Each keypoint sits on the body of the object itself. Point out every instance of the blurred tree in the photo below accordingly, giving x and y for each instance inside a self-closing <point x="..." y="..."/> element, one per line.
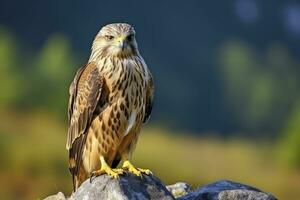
<point x="289" y="141"/>
<point x="9" y="78"/>
<point x="52" y="74"/>
<point x="258" y="89"/>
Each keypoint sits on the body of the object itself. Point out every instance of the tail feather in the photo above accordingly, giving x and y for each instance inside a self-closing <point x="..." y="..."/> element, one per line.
<point x="78" y="178"/>
<point x="75" y="162"/>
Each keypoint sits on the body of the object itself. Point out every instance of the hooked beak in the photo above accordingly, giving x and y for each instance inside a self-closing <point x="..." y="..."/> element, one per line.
<point x="122" y="42"/>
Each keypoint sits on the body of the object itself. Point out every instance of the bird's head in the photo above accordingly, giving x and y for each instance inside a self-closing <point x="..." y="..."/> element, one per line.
<point x="115" y="40"/>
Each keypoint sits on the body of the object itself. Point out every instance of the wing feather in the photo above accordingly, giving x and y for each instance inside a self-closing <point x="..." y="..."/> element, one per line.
<point x="149" y="98"/>
<point x="86" y="91"/>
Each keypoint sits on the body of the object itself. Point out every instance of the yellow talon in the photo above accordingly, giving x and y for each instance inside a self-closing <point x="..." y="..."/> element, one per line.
<point x="127" y="165"/>
<point x="145" y="171"/>
<point x="105" y="169"/>
<point x="137" y="171"/>
<point x="118" y="171"/>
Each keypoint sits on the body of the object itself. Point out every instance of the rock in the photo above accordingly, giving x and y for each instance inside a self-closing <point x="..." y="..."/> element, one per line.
<point x="131" y="187"/>
<point x="127" y="187"/>
<point x="227" y="190"/>
<point x="179" y="189"/>
<point x="58" y="196"/>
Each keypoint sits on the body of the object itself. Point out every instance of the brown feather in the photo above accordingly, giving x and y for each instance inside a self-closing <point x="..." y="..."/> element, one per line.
<point x="149" y="99"/>
<point x="85" y="93"/>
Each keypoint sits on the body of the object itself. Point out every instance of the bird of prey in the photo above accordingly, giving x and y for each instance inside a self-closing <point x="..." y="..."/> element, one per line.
<point x="110" y="98"/>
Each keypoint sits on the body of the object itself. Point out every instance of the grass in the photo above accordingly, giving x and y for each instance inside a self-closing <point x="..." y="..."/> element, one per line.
<point x="199" y="161"/>
<point x="34" y="160"/>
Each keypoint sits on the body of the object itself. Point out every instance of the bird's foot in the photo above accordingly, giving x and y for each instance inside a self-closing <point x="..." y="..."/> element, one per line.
<point x="145" y="171"/>
<point x="119" y="171"/>
<point x="105" y="169"/>
<point x="137" y="171"/>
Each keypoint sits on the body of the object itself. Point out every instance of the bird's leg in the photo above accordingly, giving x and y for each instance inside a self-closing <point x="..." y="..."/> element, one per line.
<point x="105" y="169"/>
<point x="137" y="171"/>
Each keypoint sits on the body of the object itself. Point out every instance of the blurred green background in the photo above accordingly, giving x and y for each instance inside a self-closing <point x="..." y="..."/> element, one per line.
<point x="227" y="101"/>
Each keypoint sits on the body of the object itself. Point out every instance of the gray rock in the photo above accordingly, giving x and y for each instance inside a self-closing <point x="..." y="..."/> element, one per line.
<point x="227" y="190"/>
<point x="58" y="196"/>
<point x="179" y="189"/>
<point x="131" y="187"/>
<point x="127" y="187"/>
<point x="243" y="194"/>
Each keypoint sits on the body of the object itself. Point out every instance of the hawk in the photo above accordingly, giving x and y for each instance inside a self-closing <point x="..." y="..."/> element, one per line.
<point x="110" y="98"/>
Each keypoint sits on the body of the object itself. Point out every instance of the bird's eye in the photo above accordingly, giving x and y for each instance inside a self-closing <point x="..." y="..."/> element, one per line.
<point x="130" y="38"/>
<point x="109" y="37"/>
